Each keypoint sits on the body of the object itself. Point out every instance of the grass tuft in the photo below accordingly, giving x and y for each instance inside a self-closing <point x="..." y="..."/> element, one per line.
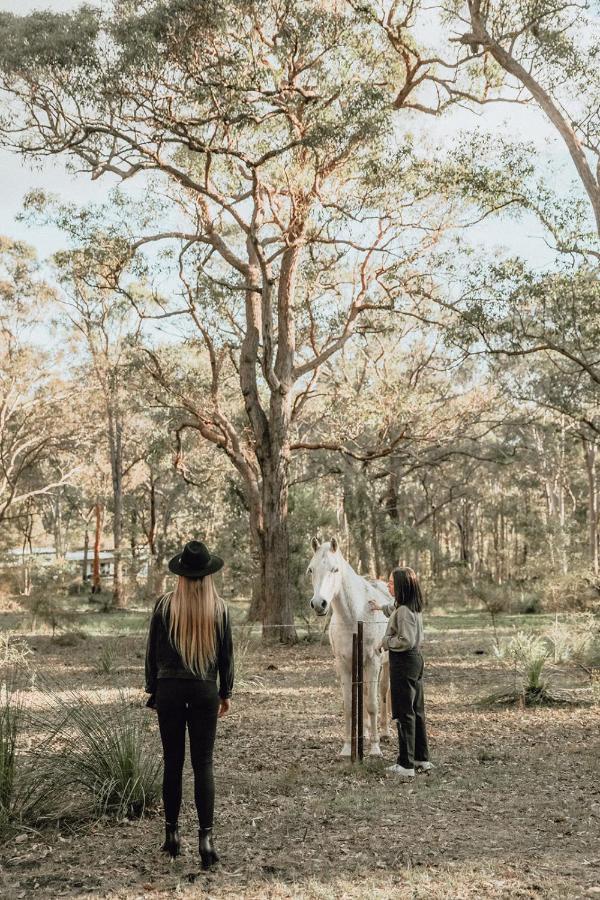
<point x="101" y="754"/>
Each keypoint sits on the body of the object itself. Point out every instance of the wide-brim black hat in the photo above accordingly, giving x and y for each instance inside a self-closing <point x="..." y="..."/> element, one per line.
<point x="195" y="561"/>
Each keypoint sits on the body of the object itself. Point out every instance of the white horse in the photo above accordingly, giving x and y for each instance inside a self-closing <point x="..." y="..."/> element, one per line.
<point x="337" y="585"/>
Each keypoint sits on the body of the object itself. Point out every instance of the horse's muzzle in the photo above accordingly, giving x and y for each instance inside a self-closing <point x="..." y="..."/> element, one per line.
<point x="319" y="606"/>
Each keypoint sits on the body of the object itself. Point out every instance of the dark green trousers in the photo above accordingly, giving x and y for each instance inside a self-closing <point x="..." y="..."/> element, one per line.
<point x="408" y="706"/>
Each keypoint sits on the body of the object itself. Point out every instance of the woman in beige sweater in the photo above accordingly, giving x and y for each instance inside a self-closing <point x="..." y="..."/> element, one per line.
<point x="403" y="639"/>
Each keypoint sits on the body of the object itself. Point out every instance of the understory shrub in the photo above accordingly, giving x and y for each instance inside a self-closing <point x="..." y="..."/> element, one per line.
<point x="575" y="640"/>
<point x="575" y="592"/>
<point x="24" y="792"/>
<point x="70" y="638"/>
<point x="527" y="655"/>
<point x="496" y="600"/>
<point x="571" y="640"/>
<point x="108" y="660"/>
<point x="243" y="650"/>
<point x="14" y="653"/>
<point x="102" y="756"/>
<point x="11" y="716"/>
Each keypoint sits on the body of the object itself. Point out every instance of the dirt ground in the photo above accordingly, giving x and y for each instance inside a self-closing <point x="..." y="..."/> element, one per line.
<point x="512" y="809"/>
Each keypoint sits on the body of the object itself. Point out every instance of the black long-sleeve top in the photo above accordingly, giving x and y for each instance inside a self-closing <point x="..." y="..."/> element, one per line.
<point x="163" y="660"/>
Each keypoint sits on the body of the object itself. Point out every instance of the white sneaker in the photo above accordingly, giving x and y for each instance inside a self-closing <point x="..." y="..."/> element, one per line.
<point x="401" y="771"/>
<point x="424" y="766"/>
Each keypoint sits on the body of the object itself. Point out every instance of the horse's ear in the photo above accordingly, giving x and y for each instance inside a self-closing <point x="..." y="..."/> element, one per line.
<point x="333" y="544"/>
<point x="314" y="544"/>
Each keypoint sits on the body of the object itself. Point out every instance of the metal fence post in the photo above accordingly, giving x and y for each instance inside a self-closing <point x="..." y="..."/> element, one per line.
<point x="354" y="735"/>
<point x="360" y="739"/>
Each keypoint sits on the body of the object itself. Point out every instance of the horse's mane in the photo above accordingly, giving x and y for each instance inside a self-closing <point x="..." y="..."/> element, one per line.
<point x="377" y="583"/>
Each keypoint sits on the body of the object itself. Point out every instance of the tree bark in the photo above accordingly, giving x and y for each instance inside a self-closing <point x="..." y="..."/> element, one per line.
<point x="86" y="548"/>
<point x="544" y="100"/>
<point x="96" y="580"/>
<point x="115" y="432"/>
<point x="589" y="451"/>
<point x="59" y="544"/>
<point x="356" y="509"/>
<point x="278" y="615"/>
<point x="390" y="503"/>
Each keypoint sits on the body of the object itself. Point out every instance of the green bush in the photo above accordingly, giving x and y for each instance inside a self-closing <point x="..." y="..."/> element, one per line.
<point x="575" y="639"/>
<point x="527" y="655"/>
<point x="108" y="660"/>
<point x="24" y="791"/>
<point x="575" y="592"/>
<point x="11" y="717"/>
<point x="103" y="756"/>
<point x="71" y="638"/>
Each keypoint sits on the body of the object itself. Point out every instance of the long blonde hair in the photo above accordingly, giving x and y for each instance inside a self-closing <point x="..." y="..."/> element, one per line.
<point x="194" y="611"/>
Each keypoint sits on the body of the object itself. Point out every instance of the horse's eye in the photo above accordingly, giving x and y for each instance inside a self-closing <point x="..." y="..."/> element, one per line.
<point x="309" y="571"/>
<point x="335" y="570"/>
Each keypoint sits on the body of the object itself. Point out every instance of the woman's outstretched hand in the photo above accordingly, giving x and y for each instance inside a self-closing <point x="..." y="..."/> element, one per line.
<point x="375" y="607"/>
<point x="224" y="707"/>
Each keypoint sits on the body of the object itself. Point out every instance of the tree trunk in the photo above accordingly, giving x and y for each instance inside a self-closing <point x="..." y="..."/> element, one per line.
<point x="379" y="567"/>
<point x="278" y="615"/>
<point x="355" y="503"/>
<point x="86" y="548"/>
<point x="389" y="538"/>
<point x="26" y="553"/>
<point x="589" y="450"/>
<point x="96" y="580"/>
<point x="59" y="544"/>
<point x="435" y="544"/>
<point x="257" y="596"/>
<point x="115" y="430"/>
<point x="156" y="581"/>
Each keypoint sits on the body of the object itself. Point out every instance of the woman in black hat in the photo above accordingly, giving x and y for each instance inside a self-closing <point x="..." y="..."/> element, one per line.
<point x="189" y="646"/>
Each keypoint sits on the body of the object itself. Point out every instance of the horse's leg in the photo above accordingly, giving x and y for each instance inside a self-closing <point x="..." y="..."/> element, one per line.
<point x="372" y="677"/>
<point x="384" y="698"/>
<point x="344" y="672"/>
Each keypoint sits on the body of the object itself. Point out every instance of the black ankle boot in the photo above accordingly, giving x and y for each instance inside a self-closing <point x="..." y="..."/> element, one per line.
<point x="172" y="844"/>
<point x="208" y="854"/>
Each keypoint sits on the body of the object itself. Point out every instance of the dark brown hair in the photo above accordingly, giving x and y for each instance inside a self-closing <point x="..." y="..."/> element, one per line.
<point x="407" y="590"/>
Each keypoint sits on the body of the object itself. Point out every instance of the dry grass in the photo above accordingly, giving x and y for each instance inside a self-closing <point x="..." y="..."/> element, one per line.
<point x="512" y="810"/>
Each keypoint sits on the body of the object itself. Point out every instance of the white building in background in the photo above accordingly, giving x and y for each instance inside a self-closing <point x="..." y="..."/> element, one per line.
<point x="75" y="559"/>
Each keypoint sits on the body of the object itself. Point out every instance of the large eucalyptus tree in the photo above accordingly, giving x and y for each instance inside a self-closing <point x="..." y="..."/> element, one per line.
<point x="287" y="191"/>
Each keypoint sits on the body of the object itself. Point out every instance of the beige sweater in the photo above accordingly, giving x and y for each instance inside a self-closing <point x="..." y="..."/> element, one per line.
<point x="404" y="630"/>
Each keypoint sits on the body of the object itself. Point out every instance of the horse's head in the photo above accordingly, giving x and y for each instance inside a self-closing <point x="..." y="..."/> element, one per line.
<point x="325" y="570"/>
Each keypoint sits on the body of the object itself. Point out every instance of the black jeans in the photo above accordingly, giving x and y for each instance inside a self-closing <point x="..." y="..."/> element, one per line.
<point x="408" y="706"/>
<point x="195" y="703"/>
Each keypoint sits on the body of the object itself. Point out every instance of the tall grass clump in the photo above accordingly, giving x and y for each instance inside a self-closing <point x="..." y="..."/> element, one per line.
<point x="24" y="792"/>
<point x="107" y="661"/>
<point x="14" y="654"/>
<point x="526" y="655"/>
<point x="11" y="722"/>
<point x="243" y="654"/>
<point x="529" y="654"/>
<point x="101" y="755"/>
<point x="576" y="640"/>
<point x="496" y="601"/>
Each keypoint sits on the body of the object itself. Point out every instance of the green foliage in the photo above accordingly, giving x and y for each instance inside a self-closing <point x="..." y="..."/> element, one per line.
<point x="11" y="720"/>
<point x="71" y="638"/>
<point x="244" y="640"/>
<point x="24" y="789"/>
<point x="100" y="755"/>
<point x="527" y="654"/>
<point x="48" y="40"/>
<point x="575" y="639"/>
<point x="108" y="659"/>
<point x="14" y="651"/>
